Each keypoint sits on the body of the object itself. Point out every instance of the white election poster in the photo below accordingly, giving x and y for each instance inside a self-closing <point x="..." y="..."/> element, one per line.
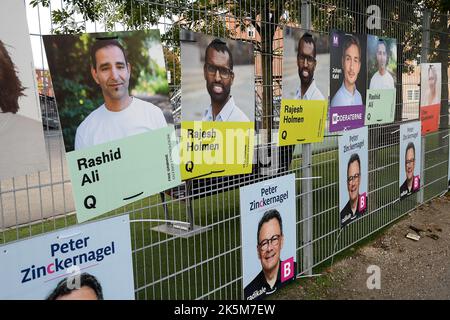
<point x="269" y="239"/>
<point x="90" y="261"/>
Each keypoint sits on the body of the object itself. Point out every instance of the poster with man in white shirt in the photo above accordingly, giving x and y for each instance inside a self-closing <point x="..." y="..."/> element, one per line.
<point x="381" y="73"/>
<point x="306" y="65"/>
<point x="112" y="92"/>
<point x="217" y="79"/>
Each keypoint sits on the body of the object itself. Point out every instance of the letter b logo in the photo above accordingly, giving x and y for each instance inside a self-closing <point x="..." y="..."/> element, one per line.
<point x="287" y="269"/>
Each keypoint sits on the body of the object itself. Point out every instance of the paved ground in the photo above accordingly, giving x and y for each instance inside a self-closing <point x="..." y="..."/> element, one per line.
<point x="409" y="269"/>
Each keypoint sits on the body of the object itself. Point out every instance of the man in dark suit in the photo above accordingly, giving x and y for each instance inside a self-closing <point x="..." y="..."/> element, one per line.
<point x="351" y="211"/>
<point x="270" y="242"/>
<point x="407" y="188"/>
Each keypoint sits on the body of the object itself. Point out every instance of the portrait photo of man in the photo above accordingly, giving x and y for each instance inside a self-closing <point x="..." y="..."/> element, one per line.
<point x="218" y="93"/>
<point x="351" y="63"/>
<point x="118" y="89"/>
<point x="89" y="289"/>
<point x="121" y="115"/>
<point x="410" y="158"/>
<point x="219" y="76"/>
<point x="351" y="210"/>
<point x="382" y="78"/>
<point x="306" y="64"/>
<point x="270" y="243"/>
<point x="310" y="53"/>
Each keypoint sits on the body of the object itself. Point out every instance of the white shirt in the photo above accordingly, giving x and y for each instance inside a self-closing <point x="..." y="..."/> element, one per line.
<point x="102" y="125"/>
<point x="379" y="81"/>
<point x="313" y="93"/>
<point x="230" y="112"/>
<point x="343" y="97"/>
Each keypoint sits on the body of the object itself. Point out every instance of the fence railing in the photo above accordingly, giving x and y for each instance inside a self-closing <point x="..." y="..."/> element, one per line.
<point x="207" y="265"/>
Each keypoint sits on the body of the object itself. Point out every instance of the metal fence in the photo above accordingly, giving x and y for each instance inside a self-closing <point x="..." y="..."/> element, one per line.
<point x="207" y="265"/>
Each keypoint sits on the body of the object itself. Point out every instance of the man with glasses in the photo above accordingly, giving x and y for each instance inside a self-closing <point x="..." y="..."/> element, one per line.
<point x="270" y="241"/>
<point x="306" y="63"/>
<point x="219" y="76"/>
<point x="351" y="210"/>
<point x="348" y="94"/>
<point x="407" y="187"/>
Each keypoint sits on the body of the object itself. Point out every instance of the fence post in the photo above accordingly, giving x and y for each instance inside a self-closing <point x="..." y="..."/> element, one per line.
<point x="424" y="59"/>
<point x="307" y="201"/>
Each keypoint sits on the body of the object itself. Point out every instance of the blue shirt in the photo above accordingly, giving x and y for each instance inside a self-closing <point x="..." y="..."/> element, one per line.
<point x="343" y="97"/>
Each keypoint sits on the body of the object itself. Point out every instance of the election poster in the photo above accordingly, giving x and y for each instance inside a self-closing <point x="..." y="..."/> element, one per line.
<point x="217" y="106"/>
<point x="304" y="101"/>
<point x="410" y="158"/>
<point x="268" y="236"/>
<point x="347" y="80"/>
<point x="214" y="149"/>
<point x="381" y="76"/>
<point x="85" y="262"/>
<point x="22" y="141"/>
<point x="113" y="174"/>
<point x="112" y="96"/>
<point x="430" y="96"/>
<point x="353" y="175"/>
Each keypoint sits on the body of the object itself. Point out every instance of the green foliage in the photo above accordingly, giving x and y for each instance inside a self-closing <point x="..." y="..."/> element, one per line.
<point x="153" y="82"/>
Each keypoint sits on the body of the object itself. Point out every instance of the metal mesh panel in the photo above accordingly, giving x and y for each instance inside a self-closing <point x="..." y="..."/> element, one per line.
<point x="208" y="265"/>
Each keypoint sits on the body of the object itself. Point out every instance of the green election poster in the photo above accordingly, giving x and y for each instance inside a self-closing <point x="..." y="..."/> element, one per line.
<point x="110" y="175"/>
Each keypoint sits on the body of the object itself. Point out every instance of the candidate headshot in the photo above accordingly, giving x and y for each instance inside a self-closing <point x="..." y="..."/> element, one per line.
<point x="306" y="64"/>
<point x="121" y="114"/>
<point x="11" y="87"/>
<point x="410" y="163"/>
<point x="219" y="77"/>
<point x="89" y="289"/>
<point x="382" y="79"/>
<point x="348" y="94"/>
<point x="350" y="211"/>
<point x="270" y="241"/>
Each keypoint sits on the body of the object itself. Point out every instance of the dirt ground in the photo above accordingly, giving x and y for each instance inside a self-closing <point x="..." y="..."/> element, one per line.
<point x="409" y="269"/>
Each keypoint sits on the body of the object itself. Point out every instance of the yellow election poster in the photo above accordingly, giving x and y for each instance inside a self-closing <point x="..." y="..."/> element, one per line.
<point x="215" y="149"/>
<point x="301" y="121"/>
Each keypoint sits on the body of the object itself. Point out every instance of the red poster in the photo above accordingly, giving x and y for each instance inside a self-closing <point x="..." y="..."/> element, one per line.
<point x="429" y="115"/>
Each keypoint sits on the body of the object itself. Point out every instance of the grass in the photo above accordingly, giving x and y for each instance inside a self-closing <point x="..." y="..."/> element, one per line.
<point x="208" y="265"/>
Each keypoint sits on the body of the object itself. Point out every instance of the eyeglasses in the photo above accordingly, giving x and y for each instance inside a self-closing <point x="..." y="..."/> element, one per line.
<point x="264" y="245"/>
<point x="301" y="58"/>
<point x="354" y="177"/>
<point x="411" y="161"/>
<point x="225" y="73"/>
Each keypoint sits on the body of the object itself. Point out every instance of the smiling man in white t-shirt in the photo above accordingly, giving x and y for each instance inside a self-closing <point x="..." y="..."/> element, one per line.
<point x="382" y="79"/>
<point x="121" y="115"/>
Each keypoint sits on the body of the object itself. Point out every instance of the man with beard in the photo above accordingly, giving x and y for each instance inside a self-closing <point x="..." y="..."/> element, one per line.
<point x="407" y="187"/>
<point x="121" y="115"/>
<point x="382" y="79"/>
<point x="351" y="210"/>
<point x="348" y="94"/>
<point x="219" y="76"/>
<point x="270" y="240"/>
<point x="306" y="63"/>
